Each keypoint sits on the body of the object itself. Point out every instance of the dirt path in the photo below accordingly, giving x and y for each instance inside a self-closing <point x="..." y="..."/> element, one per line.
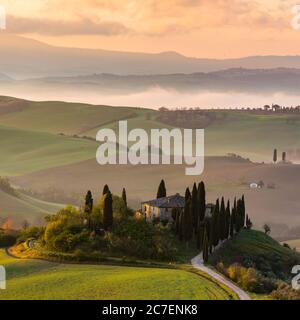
<point x="197" y="263"/>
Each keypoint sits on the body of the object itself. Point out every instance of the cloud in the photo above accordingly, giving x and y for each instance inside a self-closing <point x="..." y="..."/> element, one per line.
<point x="83" y="26"/>
<point x="150" y="17"/>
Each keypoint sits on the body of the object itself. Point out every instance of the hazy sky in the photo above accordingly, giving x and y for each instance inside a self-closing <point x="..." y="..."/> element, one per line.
<point x="202" y="28"/>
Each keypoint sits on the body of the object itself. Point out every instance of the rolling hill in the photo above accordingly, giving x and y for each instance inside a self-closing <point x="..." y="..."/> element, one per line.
<point x="32" y="151"/>
<point x="102" y="282"/>
<point x="22" y="57"/>
<point x="23" y="207"/>
<point x="237" y="80"/>
<point x="52" y="147"/>
<point x="256" y="249"/>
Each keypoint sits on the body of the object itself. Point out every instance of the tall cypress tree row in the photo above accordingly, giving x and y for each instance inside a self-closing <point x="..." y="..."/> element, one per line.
<point x="162" y="191"/>
<point x="107" y="211"/>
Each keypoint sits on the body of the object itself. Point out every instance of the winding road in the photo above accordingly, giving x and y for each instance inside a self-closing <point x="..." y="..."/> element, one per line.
<point x="198" y="263"/>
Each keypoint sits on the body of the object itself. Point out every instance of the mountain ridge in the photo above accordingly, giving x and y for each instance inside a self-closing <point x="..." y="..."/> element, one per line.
<point x="38" y="59"/>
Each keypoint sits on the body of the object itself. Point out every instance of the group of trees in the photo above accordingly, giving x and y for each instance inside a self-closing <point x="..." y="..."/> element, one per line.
<point x="275" y="156"/>
<point x="209" y="229"/>
<point x="107" y="208"/>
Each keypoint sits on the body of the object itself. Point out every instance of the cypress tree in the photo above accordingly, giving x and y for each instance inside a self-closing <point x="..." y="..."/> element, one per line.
<point x="205" y="247"/>
<point x="88" y="208"/>
<point x="215" y="229"/>
<point x="227" y="224"/>
<point x="124" y="196"/>
<point x="275" y="155"/>
<point x="105" y="190"/>
<point x="231" y="229"/>
<point x="243" y="212"/>
<point x="239" y="216"/>
<point x="248" y="223"/>
<point x="200" y="235"/>
<point x="222" y="220"/>
<point x="284" y="156"/>
<point x="195" y="209"/>
<point x="187" y="195"/>
<point x="187" y="219"/>
<point x="161" y="192"/>
<point x="201" y="200"/>
<point x="107" y="211"/>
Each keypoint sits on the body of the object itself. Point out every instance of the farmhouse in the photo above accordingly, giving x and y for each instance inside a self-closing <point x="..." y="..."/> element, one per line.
<point x="166" y="208"/>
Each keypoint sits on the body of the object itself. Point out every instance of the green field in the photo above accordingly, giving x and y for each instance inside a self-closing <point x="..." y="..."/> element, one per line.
<point x="33" y="279"/>
<point x="24" y="151"/>
<point x="252" y="136"/>
<point x="63" y="117"/>
<point x="30" y="136"/>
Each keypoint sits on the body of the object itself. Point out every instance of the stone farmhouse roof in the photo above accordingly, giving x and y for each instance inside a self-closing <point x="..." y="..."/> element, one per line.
<point x="174" y="201"/>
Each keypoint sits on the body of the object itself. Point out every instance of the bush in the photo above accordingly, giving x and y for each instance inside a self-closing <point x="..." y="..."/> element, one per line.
<point x="32" y="232"/>
<point x="7" y="240"/>
<point x="285" y="292"/>
<point x="247" y="278"/>
<point x="65" y="230"/>
<point x="137" y="238"/>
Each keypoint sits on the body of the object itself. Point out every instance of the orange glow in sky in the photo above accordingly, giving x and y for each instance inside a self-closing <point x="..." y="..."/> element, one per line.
<point x="198" y="28"/>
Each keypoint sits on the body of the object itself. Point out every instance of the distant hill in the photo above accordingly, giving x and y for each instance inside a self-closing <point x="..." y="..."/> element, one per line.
<point x="263" y="81"/>
<point x="21" y="207"/>
<point x="4" y="77"/>
<point x="24" y="58"/>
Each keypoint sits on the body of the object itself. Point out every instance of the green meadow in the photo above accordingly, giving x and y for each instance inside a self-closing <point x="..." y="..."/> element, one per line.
<point x="31" y="141"/>
<point x="24" y="151"/>
<point x="35" y="279"/>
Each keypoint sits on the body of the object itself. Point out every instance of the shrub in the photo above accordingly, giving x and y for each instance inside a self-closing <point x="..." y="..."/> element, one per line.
<point x="285" y="292"/>
<point x="7" y="240"/>
<point x="247" y="278"/>
<point x="32" y="232"/>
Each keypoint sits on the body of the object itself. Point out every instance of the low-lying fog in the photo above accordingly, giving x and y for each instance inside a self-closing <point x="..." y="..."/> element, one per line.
<point x="157" y="97"/>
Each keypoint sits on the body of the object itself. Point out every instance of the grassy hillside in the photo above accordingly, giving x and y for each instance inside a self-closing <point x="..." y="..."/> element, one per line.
<point x="102" y="282"/>
<point x="63" y="117"/>
<point x="24" y="151"/>
<point x="24" y="207"/>
<point x="30" y="133"/>
<point x="253" y="248"/>
<point x="251" y="135"/>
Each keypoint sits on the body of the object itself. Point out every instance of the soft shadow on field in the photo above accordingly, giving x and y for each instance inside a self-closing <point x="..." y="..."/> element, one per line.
<point x="223" y="176"/>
